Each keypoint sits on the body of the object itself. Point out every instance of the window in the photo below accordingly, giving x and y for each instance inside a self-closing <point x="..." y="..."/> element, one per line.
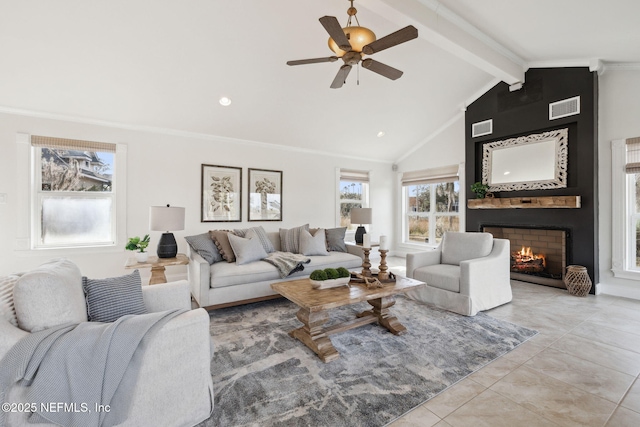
<point x="625" y="198"/>
<point x="431" y="204"/>
<point x="353" y="193"/>
<point x="74" y="197"/>
<point x="633" y="213"/>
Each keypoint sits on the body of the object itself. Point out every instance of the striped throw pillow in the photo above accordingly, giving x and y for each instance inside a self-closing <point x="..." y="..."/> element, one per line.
<point x="204" y="246"/>
<point x="290" y="239"/>
<point x="260" y="233"/>
<point x="109" y="299"/>
<point x="7" y="309"/>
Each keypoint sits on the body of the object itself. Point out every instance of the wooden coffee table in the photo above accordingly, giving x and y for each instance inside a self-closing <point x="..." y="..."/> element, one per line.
<point x="315" y="305"/>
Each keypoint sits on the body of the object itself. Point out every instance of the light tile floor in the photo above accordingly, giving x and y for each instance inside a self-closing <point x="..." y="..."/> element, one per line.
<point x="580" y="370"/>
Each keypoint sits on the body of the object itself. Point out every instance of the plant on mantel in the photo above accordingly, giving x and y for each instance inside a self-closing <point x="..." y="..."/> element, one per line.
<point x="479" y="189"/>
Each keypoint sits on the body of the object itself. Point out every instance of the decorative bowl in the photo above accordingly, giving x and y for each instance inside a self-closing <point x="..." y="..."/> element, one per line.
<point x="329" y="283"/>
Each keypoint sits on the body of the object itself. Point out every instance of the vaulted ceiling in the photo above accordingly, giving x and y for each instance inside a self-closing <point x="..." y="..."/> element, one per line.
<point x="163" y="65"/>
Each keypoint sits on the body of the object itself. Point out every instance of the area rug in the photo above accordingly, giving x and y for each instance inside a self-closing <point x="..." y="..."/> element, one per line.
<point x="263" y="377"/>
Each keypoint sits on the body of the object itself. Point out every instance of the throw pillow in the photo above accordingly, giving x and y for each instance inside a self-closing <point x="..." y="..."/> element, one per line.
<point x="114" y="297"/>
<point x="203" y="245"/>
<point x="313" y="245"/>
<point x="335" y="239"/>
<point x="247" y="249"/>
<point x="221" y="240"/>
<point x="50" y="295"/>
<point x="7" y="308"/>
<point x="290" y="239"/>
<point x="260" y="233"/>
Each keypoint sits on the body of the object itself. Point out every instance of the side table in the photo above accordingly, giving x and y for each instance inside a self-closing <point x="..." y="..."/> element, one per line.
<point x="157" y="266"/>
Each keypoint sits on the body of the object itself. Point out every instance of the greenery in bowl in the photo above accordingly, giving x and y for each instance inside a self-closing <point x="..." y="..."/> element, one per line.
<point x="329" y="273"/>
<point x="343" y="272"/>
<point x="479" y="189"/>
<point x="138" y="244"/>
<point x="318" y="275"/>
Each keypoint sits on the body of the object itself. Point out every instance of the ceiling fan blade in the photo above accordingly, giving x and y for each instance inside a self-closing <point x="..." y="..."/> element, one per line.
<point x="404" y="35"/>
<point x="341" y="77"/>
<point x="331" y="24"/>
<point x="382" y="69"/>
<point x="313" y="60"/>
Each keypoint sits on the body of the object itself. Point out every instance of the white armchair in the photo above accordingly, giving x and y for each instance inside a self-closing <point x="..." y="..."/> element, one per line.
<point x="466" y="273"/>
<point x="174" y="386"/>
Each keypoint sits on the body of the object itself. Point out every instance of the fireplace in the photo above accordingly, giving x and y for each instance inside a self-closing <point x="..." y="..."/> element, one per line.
<point x="537" y="255"/>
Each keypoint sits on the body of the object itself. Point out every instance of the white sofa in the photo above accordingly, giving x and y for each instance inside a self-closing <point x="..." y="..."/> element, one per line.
<point x="224" y="284"/>
<point x="466" y="273"/>
<point x="174" y="386"/>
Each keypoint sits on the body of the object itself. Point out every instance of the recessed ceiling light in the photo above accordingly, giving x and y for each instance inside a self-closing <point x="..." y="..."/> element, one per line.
<point x="225" y="101"/>
<point x="381" y="134"/>
<point x="506" y="173"/>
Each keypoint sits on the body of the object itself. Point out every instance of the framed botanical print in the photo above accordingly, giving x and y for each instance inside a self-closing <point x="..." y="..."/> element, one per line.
<point x="265" y="195"/>
<point x="221" y="194"/>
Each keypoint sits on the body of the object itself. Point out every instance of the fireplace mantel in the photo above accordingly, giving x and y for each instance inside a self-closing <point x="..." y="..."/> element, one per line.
<point x="549" y="202"/>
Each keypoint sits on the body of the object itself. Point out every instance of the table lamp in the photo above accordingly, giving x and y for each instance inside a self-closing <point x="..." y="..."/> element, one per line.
<point x="360" y="216"/>
<point x="166" y="218"/>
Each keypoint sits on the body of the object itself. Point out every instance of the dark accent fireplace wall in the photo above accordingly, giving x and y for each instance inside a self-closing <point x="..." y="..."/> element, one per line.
<point x="525" y="112"/>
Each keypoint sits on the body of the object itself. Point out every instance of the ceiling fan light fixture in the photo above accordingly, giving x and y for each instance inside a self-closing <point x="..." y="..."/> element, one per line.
<point x="358" y="37"/>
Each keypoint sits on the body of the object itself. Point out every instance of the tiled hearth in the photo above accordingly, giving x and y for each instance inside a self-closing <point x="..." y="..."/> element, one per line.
<point x="537" y="255"/>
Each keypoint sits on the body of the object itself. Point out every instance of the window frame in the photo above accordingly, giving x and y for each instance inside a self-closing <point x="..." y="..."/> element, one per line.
<point x="402" y="229"/>
<point x="622" y="214"/>
<point x="364" y="201"/>
<point x="26" y="237"/>
<point x="432" y="214"/>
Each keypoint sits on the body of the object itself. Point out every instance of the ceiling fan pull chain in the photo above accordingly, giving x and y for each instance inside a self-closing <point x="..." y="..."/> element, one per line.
<point x="358" y="75"/>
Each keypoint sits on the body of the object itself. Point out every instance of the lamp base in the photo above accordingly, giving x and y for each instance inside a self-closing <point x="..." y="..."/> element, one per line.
<point x="167" y="246"/>
<point x="360" y="232"/>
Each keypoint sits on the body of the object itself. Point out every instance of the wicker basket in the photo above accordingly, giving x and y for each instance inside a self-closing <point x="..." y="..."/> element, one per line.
<point x="577" y="280"/>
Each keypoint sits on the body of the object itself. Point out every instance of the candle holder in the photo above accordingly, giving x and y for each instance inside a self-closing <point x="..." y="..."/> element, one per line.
<point x="383" y="274"/>
<point x="366" y="264"/>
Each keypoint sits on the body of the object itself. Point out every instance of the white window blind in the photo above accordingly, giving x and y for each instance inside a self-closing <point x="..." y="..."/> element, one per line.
<point x="633" y="155"/>
<point x="71" y="144"/>
<point x="431" y="176"/>
<point x="353" y="175"/>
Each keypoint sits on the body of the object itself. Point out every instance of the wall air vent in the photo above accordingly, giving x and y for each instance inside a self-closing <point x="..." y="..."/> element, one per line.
<point x="564" y="108"/>
<point x="482" y="128"/>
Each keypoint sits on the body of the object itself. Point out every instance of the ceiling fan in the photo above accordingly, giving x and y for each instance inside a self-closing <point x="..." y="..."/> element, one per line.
<point x="351" y="43"/>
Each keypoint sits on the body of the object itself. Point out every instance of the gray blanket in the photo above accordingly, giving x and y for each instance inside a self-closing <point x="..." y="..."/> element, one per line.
<point x="81" y="366"/>
<point x="286" y="262"/>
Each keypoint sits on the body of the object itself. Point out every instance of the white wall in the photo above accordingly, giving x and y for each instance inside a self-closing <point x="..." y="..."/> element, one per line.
<point x="445" y="148"/>
<point x="619" y="113"/>
<point x="163" y="169"/>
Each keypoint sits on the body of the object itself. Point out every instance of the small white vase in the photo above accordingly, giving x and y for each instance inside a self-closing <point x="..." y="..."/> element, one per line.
<point x="142" y="256"/>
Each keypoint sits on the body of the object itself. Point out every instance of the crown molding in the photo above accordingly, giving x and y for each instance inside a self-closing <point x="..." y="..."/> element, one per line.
<point x="179" y="133"/>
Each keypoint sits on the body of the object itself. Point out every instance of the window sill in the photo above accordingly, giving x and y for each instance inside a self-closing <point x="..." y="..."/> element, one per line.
<point x="626" y="274"/>
<point x="69" y="251"/>
<point x="417" y="246"/>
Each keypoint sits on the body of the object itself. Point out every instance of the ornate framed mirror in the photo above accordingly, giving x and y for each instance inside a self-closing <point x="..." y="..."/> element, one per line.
<point x="532" y="162"/>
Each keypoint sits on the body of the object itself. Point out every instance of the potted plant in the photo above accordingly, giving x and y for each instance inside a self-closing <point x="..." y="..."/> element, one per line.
<point x="329" y="278"/>
<point x="479" y="189"/>
<point x="139" y="245"/>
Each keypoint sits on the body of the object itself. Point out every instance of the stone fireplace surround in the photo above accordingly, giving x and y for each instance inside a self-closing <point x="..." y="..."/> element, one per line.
<point x="549" y="242"/>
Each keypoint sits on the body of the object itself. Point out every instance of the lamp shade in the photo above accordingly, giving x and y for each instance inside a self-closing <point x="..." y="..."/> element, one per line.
<point x="361" y="216"/>
<point x="166" y="218"/>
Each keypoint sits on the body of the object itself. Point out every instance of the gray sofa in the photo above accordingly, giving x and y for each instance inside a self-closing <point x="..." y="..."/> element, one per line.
<point x="174" y="385"/>
<point x="224" y="284"/>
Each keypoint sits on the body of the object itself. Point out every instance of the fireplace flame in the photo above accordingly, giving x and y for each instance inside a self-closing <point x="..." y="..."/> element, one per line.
<point x="526" y="260"/>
